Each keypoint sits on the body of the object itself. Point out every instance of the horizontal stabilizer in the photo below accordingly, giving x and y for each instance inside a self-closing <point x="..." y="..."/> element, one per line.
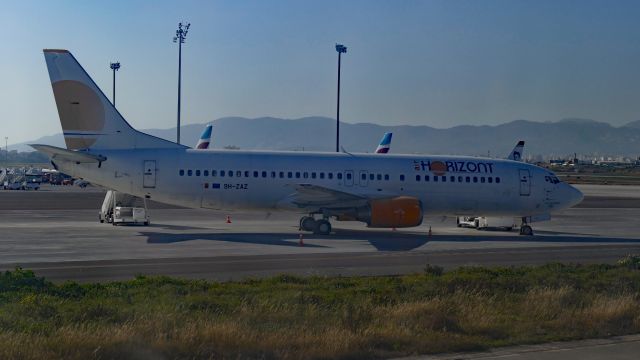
<point x="68" y="155"/>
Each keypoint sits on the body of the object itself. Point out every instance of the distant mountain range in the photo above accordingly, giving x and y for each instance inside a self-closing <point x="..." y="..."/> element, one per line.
<point x="318" y="133"/>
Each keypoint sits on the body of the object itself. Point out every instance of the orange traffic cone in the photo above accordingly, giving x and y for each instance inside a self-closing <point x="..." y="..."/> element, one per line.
<point x="429" y="231"/>
<point x="228" y="219"/>
<point x="301" y="241"/>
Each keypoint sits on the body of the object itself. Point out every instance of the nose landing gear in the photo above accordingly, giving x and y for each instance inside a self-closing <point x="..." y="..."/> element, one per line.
<point x="525" y="229"/>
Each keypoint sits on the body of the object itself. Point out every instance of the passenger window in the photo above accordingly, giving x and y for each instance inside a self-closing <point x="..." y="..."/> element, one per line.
<point x="321" y="175"/>
<point x="348" y="176"/>
<point x="281" y="174"/>
<point x="221" y="173"/>
<point x="305" y="175"/>
<point x="497" y="180"/>
<point x="452" y="179"/>
<point x="417" y="177"/>
<point x="230" y="173"/>
<point x="482" y="179"/>
<point x="238" y="173"/>
<point x="459" y="178"/>
<point x="273" y="174"/>
<point x="379" y="177"/>
<point x="339" y="176"/>
<point x="467" y="179"/>
<point x="246" y="173"/>
<point x="297" y="175"/>
<point x="330" y="176"/>
<point x="264" y="174"/>
<point x="189" y="172"/>
<point x="402" y="177"/>
<point x="181" y="172"/>
<point x="363" y="176"/>
<point x="289" y="174"/>
<point x="372" y="177"/>
<point x="313" y="175"/>
<point x="197" y="172"/>
<point x="214" y="173"/>
<point x="444" y="179"/>
<point x="435" y="178"/>
<point x="206" y="173"/>
<point x="386" y="177"/>
<point x="426" y="178"/>
<point x="490" y="179"/>
<point x="255" y="174"/>
<point x="475" y="179"/>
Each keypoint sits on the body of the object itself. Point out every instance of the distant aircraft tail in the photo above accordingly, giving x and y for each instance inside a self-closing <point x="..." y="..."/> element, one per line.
<point x="516" y="153"/>
<point x="89" y="120"/>
<point x="205" y="138"/>
<point x="385" y="144"/>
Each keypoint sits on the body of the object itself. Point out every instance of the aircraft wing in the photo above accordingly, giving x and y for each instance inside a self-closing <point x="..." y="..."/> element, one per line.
<point x="307" y="195"/>
<point x="68" y="155"/>
<point x="316" y="197"/>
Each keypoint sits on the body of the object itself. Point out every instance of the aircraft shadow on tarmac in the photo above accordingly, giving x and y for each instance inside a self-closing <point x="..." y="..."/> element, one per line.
<point x="382" y="241"/>
<point x="244" y="238"/>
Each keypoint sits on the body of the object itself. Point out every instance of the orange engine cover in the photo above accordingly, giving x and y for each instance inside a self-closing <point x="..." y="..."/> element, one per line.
<point x="402" y="211"/>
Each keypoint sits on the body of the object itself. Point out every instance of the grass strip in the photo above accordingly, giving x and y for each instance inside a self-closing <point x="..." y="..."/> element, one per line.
<point x="290" y="317"/>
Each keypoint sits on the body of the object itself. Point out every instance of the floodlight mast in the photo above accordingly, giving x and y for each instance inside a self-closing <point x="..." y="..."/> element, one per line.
<point x="181" y="35"/>
<point x="340" y="49"/>
<point x="115" y="67"/>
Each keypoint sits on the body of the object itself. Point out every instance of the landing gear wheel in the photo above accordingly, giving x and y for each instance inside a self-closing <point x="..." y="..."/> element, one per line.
<point x="526" y="230"/>
<point x="323" y="227"/>
<point x="308" y="223"/>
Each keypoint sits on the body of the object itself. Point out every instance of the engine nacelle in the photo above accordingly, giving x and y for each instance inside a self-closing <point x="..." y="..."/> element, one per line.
<point x="399" y="212"/>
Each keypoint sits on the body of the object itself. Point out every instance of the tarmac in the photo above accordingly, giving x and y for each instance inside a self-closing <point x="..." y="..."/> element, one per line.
<point x="55" y="231"/>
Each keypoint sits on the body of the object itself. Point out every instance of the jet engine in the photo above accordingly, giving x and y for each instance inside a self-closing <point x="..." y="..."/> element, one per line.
<point x="398" y="212"/>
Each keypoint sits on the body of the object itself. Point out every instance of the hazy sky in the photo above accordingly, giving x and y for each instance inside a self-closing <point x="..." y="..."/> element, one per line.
<point x="437" y="63"/>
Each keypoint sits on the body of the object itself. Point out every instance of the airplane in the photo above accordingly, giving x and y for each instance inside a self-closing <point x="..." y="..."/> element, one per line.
<point x="205" y="138"/>
<point x="391" y="191"/>
<point x="516" y="153"/>
<point x="385" y="144"/>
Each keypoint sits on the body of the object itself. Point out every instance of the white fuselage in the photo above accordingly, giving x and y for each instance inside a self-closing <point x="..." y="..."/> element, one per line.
<point x="186" y="177"/>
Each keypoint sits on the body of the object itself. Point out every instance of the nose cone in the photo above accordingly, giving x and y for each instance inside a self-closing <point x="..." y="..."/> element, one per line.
<point x="572" y="196"/>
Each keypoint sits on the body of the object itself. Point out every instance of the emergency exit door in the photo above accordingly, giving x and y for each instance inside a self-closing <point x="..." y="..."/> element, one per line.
<point x="149" y="174"/>
<point x="525" y="182"/>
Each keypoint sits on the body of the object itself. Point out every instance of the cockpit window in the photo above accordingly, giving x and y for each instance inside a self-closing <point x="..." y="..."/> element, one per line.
<point x="552" y="179"/>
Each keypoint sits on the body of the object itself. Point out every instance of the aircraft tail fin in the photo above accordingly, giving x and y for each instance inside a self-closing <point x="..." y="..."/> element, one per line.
<point x="205" y="138"/>
<point x="516" y="153"/>
<point x="385" y="144"/>
<point x="88" y="119"/>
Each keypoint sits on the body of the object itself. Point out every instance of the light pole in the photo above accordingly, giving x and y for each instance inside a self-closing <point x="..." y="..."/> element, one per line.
<point x="6" y="149"/>
<point x="114" y="66"/>
<point x="340" y="49"/>
<point x="181" y="35"/>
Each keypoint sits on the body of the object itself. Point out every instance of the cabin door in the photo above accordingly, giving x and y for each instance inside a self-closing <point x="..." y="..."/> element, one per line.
<point x="149" y="174"/>
<point x="364" y="181"/>
<point x="348" y="178"/>
<point x="525" y="182"/>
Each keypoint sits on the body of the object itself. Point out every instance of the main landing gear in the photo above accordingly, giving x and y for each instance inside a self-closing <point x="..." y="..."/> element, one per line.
<point x="320" y="227"/>
<point x="525" y="229"/>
